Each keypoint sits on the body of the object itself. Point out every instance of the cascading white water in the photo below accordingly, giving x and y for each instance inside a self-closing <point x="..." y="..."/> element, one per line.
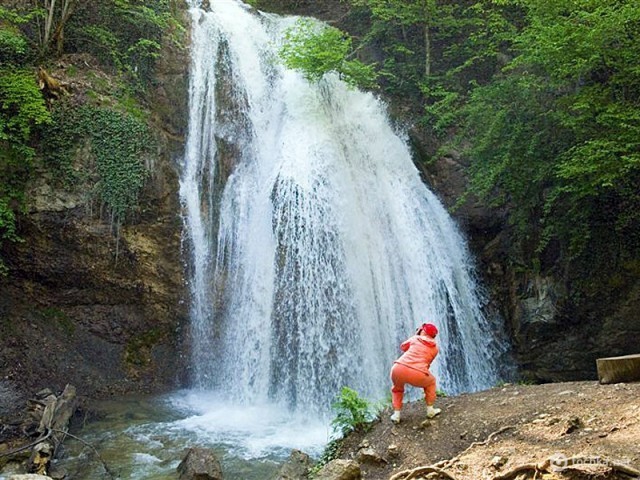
<point x="316" y="248"/>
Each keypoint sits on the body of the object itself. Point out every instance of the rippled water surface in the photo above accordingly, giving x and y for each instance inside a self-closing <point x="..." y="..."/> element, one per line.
<point x="145" y="438"/>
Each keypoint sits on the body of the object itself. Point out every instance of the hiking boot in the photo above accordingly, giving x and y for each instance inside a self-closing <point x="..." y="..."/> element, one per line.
<point x="432" y="412"/>
<point x="395" y="418"/>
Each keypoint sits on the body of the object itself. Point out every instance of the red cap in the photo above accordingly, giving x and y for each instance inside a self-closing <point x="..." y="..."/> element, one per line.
<point x="430" y="329"/>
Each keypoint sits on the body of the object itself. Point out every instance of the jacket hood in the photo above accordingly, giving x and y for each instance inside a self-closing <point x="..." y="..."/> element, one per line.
<point x="428" y="341"/>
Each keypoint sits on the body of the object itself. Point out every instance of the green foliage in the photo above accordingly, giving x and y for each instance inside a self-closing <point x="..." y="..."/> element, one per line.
<point x="138" y="349"/>
<point x="125" y="35"/>
<point x="58" y="317"/>
<point x="118" y="141"/>
<point x="542" y="98"/>
<point x="558" y="137"/>
<point x="315" y="49"/>
<point x="21" y="109"/>
<point x="352" y="411"/>
<point x="13" y="45"/>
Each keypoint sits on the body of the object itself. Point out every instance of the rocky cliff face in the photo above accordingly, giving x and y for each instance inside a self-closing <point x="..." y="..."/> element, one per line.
<point x="89" y="306"/>
<point x="558" y="327"/>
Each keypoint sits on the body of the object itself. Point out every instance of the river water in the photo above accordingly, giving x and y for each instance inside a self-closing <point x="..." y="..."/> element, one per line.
<point x="145" y="438"/>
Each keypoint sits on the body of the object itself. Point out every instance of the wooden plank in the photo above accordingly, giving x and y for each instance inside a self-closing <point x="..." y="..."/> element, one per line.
<point x="619" y="369"/>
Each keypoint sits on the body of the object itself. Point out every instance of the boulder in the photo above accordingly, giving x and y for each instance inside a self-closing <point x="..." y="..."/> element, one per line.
<point x="200" y="464"/>
<point x="296" y="467"/>
<point x="340" y="470"/>
<point x="370" y="456"/>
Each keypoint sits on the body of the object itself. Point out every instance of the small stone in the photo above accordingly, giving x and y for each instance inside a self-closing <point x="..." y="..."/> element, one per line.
<point x="426" y="423"/>
<point x="393" y="450"/>
<point x="339" y="469"/>
<point x="463" y="434"/>
<point x="572" y="424"/>
<point x="567" y="392"/>
<point x="499" y="461"/>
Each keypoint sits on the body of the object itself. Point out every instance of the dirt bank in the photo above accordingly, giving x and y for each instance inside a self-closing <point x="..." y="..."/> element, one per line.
<point x="531" y="423"/>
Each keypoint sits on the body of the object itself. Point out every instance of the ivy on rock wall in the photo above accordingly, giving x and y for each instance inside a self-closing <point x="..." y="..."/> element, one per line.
<point x="104" y="111"/>
<point x="118" y="142"/>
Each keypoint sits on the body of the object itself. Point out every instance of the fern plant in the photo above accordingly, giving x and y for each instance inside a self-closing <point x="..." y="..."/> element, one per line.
<point x="352" y="412"/>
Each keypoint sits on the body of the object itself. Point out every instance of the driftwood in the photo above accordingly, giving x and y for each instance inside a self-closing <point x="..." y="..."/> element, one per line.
<point x="619" y="369"/>
<point x="441" y="465"/>
<point x="46" y="416"/>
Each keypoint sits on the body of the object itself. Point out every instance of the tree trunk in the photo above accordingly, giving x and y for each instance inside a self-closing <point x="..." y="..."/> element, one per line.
<point x="50" y="7"/>
<point x="428" y="10"/>
<point x="427" y="52"/>
<point x="58" y="36"/>
<point x="619" y="369"/>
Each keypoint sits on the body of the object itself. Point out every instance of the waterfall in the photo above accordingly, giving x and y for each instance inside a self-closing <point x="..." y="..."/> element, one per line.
<point x="315" y="247"/>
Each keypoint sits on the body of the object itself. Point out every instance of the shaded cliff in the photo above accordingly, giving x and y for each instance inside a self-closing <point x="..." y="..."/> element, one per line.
<point x="86" y="302"/>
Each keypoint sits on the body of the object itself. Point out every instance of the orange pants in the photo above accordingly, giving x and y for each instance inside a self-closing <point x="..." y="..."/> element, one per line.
<point x="402" y="375"/>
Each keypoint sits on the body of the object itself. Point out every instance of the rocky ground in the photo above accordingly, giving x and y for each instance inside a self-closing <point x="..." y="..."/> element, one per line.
<point x="486" y="435"/>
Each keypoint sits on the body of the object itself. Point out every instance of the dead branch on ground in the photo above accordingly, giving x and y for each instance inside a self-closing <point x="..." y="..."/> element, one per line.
<point x="438" y="467"/>
<point x="551" y="462"/>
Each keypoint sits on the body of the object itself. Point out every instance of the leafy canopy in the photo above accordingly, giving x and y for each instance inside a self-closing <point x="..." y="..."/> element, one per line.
<point x="558" y="136"/>
<point x="315" y="49"/>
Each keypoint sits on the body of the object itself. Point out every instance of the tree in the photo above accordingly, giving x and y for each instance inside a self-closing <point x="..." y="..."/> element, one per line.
<point x="559" y="137"/>
<point x="406" y="14"/>
<point x="315" y="49"/>
<point x="57" y="14"/>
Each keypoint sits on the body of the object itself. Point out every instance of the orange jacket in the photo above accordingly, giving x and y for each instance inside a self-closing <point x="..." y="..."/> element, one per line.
<point x="419" y="352"/>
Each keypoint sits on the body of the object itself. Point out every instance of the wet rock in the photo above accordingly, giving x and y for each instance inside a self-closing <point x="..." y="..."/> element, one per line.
<point x="200" y="464"/>
<point x="296" y="467"/>
<point x="340" y="470"/>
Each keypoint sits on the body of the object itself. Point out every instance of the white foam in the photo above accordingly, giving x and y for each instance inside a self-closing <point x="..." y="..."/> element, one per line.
<point x="254" y="431"/>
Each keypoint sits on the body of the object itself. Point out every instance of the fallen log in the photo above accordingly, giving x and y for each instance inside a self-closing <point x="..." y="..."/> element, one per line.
<point x="619" y="369"/>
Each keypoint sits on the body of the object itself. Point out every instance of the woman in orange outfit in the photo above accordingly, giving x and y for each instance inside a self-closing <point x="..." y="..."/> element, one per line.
<point x="412" y="368"/>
